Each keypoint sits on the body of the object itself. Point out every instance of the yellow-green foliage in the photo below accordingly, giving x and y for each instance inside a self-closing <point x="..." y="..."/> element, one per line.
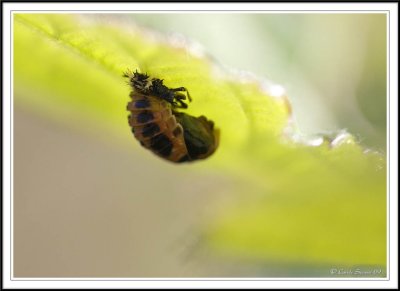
<point x="318" y="204"/>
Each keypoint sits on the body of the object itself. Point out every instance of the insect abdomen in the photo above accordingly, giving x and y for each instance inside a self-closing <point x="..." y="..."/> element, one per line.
<point x="154" y="125"/>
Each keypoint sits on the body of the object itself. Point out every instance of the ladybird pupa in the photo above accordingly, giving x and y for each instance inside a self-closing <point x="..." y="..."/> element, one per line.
<point x="158" y="125"/>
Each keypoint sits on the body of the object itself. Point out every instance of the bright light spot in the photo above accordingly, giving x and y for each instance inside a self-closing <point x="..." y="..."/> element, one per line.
<point x="315" y="142"/>
<point x="341" y="139"/>
<point x="276" y="90"/>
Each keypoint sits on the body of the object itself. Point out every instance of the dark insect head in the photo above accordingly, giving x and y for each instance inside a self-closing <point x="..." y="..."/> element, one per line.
<point x="141" y="82"/>
<point x="145" y="84"/>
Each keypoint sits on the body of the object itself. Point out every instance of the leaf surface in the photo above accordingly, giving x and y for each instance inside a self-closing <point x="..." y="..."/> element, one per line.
<point x="320" y="202"/>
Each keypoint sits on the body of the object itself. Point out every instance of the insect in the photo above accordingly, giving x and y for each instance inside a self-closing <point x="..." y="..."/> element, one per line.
<point x="158" y="125"/>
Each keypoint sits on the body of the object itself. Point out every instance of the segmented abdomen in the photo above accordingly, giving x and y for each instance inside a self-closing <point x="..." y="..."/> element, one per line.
<point x="154" y="125"/>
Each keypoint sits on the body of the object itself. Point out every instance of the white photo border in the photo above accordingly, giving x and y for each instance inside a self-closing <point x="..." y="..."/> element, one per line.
<point x="391" y="9"/>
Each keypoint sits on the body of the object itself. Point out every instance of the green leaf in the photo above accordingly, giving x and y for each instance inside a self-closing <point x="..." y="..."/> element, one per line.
<point x="296" y="200"/>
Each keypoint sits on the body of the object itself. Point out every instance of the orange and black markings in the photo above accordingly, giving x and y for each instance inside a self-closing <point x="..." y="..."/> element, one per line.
<point x="159" y="127"/>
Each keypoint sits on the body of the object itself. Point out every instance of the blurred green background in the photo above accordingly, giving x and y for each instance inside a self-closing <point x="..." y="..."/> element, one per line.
<point x="333" y="65"/>
<point x="89" y="204"/>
